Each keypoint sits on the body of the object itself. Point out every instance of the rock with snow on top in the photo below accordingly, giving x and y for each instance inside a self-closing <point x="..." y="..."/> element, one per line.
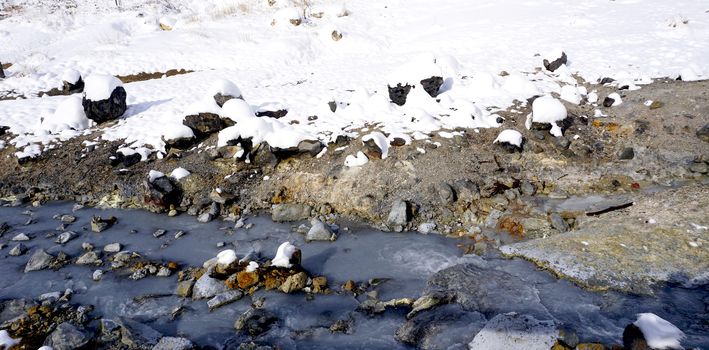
<point x="554" y="59"/>
<point x="104" y="98"/>
<point x="356" y="161"/>
<point x="287" y="255"/>
<point x="21" y="237"/>
<point x="612" y="100"/>
<point x="7" y="342"/>
<point x="510" y="139"/>
<point x="650" y="331"/>
<point x="72" y="82"/>
<point x="376" y="145"/>
<point x="161" y="191"/>
<point x="547" y="110"/>
<point x="224" y="90"/>
<point x="167" y="23"/>
<point x="320" y="231"/>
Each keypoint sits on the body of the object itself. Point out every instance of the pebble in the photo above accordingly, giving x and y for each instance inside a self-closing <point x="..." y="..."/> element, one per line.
<point x="220" y="244"/>
<point x="65" y="237"/>
<point x="67" y="219"/>
<point x="179" y="234"/>
<point x="626" y="153"/>
<point x="426" y="227"/>
<point x="158" y="233"/>
<point x="18" y="250"/>
<point x="558" y="222"/>
<point x="97" y="275"/>
<point x="239" y="224"/>
<point x="163" y="272"/>
<point x="88" y="258"/>
<point x="21" y="238"/>
<point x="112" y="248"/>
<point x="87" y="246"/>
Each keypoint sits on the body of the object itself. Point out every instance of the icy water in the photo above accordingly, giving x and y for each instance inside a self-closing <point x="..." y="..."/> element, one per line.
<point x="403" y="261"/>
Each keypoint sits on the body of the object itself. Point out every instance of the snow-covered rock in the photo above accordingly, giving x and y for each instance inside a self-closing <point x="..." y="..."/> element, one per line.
<point x="548" y="110"/>
<point x="179" y="173"/>
<point x="380" y="141"/>
<point x="251" y="267"/>
<point x="511" y="137"/>
<point x="154" y="174"/>
<point x="283" y="255"/>
<point x="237" y="110"/>
<point x="222" y="91"/>
<point x="571" y="94"/>
<point x="612" y="100"/>
<point x="100" y="86"/>
<point x="355" y="161"/>
<point x="104" y="98"/>
<point x="226" y="257"/>
<point x="659" y="333"/>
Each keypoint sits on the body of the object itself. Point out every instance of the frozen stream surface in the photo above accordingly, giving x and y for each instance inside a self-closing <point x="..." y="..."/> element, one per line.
<point x="404" y="261"/>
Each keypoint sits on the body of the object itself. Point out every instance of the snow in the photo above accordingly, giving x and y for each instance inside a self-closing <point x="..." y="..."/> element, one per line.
<point x="659" y="333"/>
<point x="252" y="266"/>
<point x="285" y="15"/>
<point x="571" y="94"/>
<point x="154" y="175"/>
<point x="71" y="76"/>
<point x="380" y="140"/>
<point x="237" y="110"/>
<point x="513" y="137"/>
<point x="617" y="101"/>
<point x="179" y="173"/>
<point x="547" y="109"/>
<point x="356" y="161"/>
<point x="99" y="87"/>
<point x="301" y="69"/>
<point x="226" y="257"/>
<point x="6" y="341"/>
<point x="283" y="255"/>
<point x="68" y="116"/>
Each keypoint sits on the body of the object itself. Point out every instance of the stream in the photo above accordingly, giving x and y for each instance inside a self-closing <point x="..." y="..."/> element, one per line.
<point x="402" y="262"/>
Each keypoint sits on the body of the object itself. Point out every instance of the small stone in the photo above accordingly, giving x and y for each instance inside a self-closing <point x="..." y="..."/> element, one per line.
<point x="445" y="193"/>
<point x="112" y="248"/>
<point x="400" y="213"/>
<point x="67" y="337"/>
<point x="173" y="343"/>
<point x="139" y="274"/>
<point x="554" y="63"/>
<point x="220" y="244"/>
<point x="65" y="237"/>
<point x="350" y="286"/>
<point x="466" y="190"/>
<point x="703" y="133"/>
<point x="21" y="238"/>
<point x="184" y="288"/>
<point x="294" y="283"/>
<point x="656" y="105"/>
<point x="701" y="168"/>
<point x="626" y="153"/>
<point x="163" y="272"/>
<point x="255" y="321"/>
<point x="38" y="261"/>
<point x="172" y="213"/>
<point x="528" y="188"/>
<point x="179" y="234"/>
<point x="18" y="250"/>
<point x="319" y="284"/>
<point x="290" y="212"/>
<point x="89" y="258"/>
<point x="158" y="233"/>
<point x="558" y="222"/>
<point x="99" y="224"/>
<point x="427" y="227"/>
<point x="97" y="275"/>
<point x="68" y="219"/>
<point x="87" y="246"/>
<point x="205" y="217"/>
<point x="207" y="287"/>
<point x="398" y="93"/>
<point x="320" y="232"/>
<point x="225" y="298"/>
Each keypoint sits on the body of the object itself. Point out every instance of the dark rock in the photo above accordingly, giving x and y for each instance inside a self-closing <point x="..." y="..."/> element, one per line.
<point x="312" y="147"/>
<point x="634" y="339"/>
<point x="106" y="110"/>
<point x="161" y="193"/>
<point x="608" y="102"/>
<point x="702" y="134"/>
<point x="3" y="129"/>
<point x="180" y="143"/>
<point x="562" y="142"/>
<point x="2" y="72"/>
<point x="67" y="337"/>
<point x="398" y="93"/>
<point x="204" y="124"/>
<point x="342" y="140"/>
<point x="432" y="85"/>
<point x="221" y="99"/>
<point x="444" y="192"/>
<point x="626" y="153"/>
<point x="255" y="321"/>
<point x="606" y="81"/>
<point x="333" y="106"/>
<point x="73" y="88"/>
<point x="397" y="142"/>
<point x="556" y="63"/>
<point x="290" y="212"/>
<point x="272" y="114"/>
<point x="558" y="222"/>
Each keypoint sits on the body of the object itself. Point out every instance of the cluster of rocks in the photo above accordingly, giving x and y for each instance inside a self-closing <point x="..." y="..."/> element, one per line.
<point x="399" y="92"/>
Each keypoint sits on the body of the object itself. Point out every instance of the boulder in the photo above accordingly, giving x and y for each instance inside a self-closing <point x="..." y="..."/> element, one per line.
<point x="108" y="109"/>
<point x="432" y="85"/>
<point x="65" y="237"/>
<point x="515" y="331"/>
<point x="444" y="192"/>
<point x="290" y="212"/>
<point x="441" y="328"/>
<point x="18" y="250"/>
<point x="204" y="124"/>
<point x="398" y="93"/>
<point x="320" y="232"/>
<point x="38" y="261"/>
<point x="67" y="337"/>
<point x="173" y="343"/>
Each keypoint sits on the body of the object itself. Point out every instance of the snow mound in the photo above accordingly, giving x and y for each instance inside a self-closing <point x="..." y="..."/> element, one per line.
<point x="571" y="94"/>
<point x="69" y="115"/>
<point x="547" y="109"/>
<point x="251" y="267"/>
<point x="224" y="87"/>
<point x="71" y="76"/>
<point x="179" y="173"/>
<point x="237" y="110"/>
<point x="513" y="137"/>
<point x="100" y="86"/>
<point x="659" y="333"/>
<point x="355" y="161"/>
<point x="283" y="255"/>
<point x="617" y="100"/>
<point x="6" y="341"/>
<point x="226" y="257"/>
<point x="380" y="140"/>
<point x="287" y="15"/>
<point x="419" y="68"/>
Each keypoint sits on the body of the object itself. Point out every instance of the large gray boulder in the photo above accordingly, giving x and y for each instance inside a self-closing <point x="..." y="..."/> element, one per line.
<point x="67" y="337"/>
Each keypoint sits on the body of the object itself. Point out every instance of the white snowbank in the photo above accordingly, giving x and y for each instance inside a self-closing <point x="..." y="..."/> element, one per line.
<point x="659" y="333"/>
<point x="226" y="257"/>
<point x="286" y="15"/>
<point x="380" y="140"/>
<point x="263" y="129"/>
<point x="513" y="137"/>
<point x="69" y="115"/>
<point x="547" y="109"/>
<point x="252" y="266"/>
<point x="419" y="68"/>
<point x="154" y="174"/>
<point x="179" y="173"/>
<point x="6" y="341"/>
<point x="283" y="255"/>
<point x="355" y="161"/>
<point x="99" y="87"/>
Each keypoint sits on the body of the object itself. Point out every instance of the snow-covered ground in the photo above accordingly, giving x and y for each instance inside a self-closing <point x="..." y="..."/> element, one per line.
<point x="303" y="67"/>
